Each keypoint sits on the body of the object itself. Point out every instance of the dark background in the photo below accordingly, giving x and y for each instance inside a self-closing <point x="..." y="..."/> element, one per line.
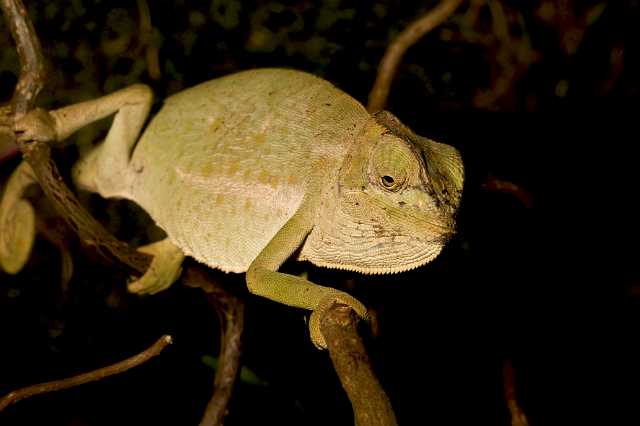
<point x="542" y="94"/>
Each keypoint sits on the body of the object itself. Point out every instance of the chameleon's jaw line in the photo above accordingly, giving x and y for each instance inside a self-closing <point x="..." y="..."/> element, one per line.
<point x="386" y="269"/>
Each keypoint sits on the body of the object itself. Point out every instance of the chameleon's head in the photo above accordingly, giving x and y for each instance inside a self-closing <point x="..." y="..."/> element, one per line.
<point x="394" y="203"/>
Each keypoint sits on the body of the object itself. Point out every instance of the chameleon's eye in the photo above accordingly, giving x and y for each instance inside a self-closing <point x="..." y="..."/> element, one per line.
<point x="389" y="183"/>
<point x="391" y="164"/>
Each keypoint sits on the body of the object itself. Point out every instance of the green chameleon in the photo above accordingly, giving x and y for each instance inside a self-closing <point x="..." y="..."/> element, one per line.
<point x="248" y="170"/>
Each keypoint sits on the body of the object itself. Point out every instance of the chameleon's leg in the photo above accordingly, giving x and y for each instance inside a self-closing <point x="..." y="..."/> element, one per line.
<point x="164" y="269"/>
<point x="105" y="168"/>
<point x="17" y="221"/>
<point x="263" y="280"/>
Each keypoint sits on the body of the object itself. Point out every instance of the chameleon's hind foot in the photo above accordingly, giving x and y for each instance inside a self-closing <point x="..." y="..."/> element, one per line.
<point x="17" y="221"/>
<point x="165" y="268"/>
<point x="334" y="297"/>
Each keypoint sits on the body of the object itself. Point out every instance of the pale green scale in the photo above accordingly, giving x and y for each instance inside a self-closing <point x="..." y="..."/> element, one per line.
<point x="225" y="164"/>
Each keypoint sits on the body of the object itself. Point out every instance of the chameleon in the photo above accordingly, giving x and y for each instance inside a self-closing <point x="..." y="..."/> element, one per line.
<point x="248" y="170"/>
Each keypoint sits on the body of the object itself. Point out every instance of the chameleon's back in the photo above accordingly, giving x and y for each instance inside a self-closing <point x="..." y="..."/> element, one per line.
<point x="226" y="163"/>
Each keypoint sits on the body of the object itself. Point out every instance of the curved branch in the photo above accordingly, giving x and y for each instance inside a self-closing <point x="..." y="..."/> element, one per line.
<point x="371" y="406"/>
<point x="394" y="53"/>
<point x="230" y="310"/>
<point x="518" y="418"/>
<point x="494" y="184"/>
<point x="101" y="373"/>
<point x="32" y="70"/>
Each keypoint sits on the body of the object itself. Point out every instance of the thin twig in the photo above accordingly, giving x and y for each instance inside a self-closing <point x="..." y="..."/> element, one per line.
<point x="494" y="184"/>
<point x="395" y="51"/>
<point x="145" y="41"/>
<point x="101" y="373"/>
<point x="371" y="406"/>
<point x="518" y="418"/>
<point x="230" y="310"/>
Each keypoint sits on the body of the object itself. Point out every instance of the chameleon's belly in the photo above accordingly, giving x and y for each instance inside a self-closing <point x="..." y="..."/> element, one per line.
<point x="222" y="168"/>
<point x="226" y="217"/>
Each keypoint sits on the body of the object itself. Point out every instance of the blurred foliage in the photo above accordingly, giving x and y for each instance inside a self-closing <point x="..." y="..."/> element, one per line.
<point x="492" y="55"/>
<point x="479" y="59"/>
<point x="246" y="375"/>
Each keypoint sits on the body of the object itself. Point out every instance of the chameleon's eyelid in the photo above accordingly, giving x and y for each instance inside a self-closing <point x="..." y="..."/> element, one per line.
<point x="389" y="183"/>
<point x="392" y="182"/>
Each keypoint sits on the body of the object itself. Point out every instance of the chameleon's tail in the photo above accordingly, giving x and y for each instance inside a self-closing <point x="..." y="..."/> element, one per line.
<point x="17" y="221"/>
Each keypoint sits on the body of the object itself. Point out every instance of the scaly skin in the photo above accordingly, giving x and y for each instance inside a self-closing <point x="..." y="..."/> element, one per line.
<point x="244" y="171"/>
<point x="17" y="221"/>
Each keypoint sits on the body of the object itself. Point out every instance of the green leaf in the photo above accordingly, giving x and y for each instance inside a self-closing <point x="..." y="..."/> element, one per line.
<point x="247" y="376"/>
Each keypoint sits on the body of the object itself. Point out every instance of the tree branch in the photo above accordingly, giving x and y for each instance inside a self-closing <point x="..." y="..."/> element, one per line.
<point x="518" y="418"/>
<point x="494" y="184"/>
<point x="394" y="53"/>
<point x="230" y="310"/>
<point x="371" y="406"/>
<point x="32" y="70"/>
<point x="101" y="373"/>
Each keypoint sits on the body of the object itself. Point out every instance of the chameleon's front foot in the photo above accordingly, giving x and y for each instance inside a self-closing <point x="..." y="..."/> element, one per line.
<point x="165" y="268"/>
<point x="36" y="125"/>
<point x="338" y="297"/>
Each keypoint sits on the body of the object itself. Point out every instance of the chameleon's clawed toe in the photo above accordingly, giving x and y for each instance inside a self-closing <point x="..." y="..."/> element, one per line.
<point x="38" y="124"/>
<point x="314" y="320"/>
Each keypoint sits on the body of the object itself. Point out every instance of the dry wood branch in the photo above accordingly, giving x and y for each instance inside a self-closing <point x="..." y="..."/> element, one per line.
<point x="89" y="230"/>
<point x="122" y="366"/>
<point x="8" y="148"/>
<point x="518" y="418"/>
<point x="407" y="38"/>
<point x="230" y="310"/>
<point x="371" y="407"/>
<point x="145" y="41"/>
<point x="32" y="71"/>
<point x="493" y="184"/>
